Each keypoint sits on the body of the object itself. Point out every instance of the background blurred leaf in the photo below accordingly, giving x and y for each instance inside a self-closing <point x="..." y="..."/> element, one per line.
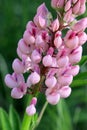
<point x="14" y="118"/>
<point x="83" y="60"/>
<point x="4" y="120"/>
<point x="56" y="118"/>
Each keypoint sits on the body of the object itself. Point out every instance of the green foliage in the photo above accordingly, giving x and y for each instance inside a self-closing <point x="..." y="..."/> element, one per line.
<point x="14" y="119"/>
<point x="9" y="121"/>
<point x="4" y="120"/>
<point x="56" y="118"/>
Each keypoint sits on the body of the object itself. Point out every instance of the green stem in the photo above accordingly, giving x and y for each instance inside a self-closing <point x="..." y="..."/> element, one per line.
<point x="26" y="122"/>
<point x="40" y="116"/>
<point x="27" y="119"/>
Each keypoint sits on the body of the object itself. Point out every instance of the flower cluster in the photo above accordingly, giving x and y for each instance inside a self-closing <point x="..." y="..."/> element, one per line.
<point x="69" y="9"/>
<point x="48" y="55"/>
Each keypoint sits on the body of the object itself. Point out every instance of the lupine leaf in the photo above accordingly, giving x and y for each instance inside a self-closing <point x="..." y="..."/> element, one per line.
<point x="14" y="119"/>
<point x="4" y="120"/>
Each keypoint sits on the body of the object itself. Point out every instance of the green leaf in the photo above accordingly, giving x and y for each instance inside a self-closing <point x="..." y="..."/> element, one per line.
<point x="14" y="119"/>
<point x="64" y="116"/>
<point x="56" y="118"/>
<point x="83" y="60"/>
<point x="82" y="75"/>
<point x="79" y="82"/>
<point x="4" y="120"/>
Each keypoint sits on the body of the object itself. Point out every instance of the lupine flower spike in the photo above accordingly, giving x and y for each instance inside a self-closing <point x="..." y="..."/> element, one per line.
<point x="50" y="57"/>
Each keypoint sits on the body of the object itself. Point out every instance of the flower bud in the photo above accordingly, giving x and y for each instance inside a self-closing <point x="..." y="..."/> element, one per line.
<point x="71" y="40"/>
<point x="76" y="7"/>
<point x="57" y="42"/>
<point x="19" y="52"/>
<point x="53" y="98"/>
<point x="64" y="91"/>
<point x="82" y="38"/>
<point x="33" y="101"/>
<point x="16" y="93"/>
<point x="57" y="3"/>
<point x="31" y="110"/>
<point x="82" y="9"/>
<point x="65" y="80"/>
<point x="33" y="78"/>
<point x="17" y="66"/>
<point x="47" y="60"/>
<point x="35" y="56"/>
<point x="40" y="21"/>
<point x="74" y="70"/>
<point x="39" y="41"/>
<point x="55" y="25"/>
<point x="10" y="81"/>
<point x="68" y="16"/>
<point x="75" y="55"/>
<point x="50" y="82"/>
<point x="23" y="46"/>
<point x="63" y="61"/>
<point x="67" y="5"/>
<point x="28" y="38"/>
<point x="40" y="18"/>
<point x="80" y="26"/>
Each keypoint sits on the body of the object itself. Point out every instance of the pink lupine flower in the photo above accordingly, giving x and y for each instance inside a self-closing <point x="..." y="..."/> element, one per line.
<point x="74" y="1"/>
<point x="67" y="5"/>
<point x="82" y="38"/>
<point x="80" y="26"/>
<point x="71" y="39"/>
<point x="73" y="70"/>
<point x="40" y="18"/>
<point x="63" y="61"/>
<point x="75" y="55"/>
<point x="82" y="9"/>
<point x="17" y="83"/>
<point x="14" y="80"/>
<point x="67" y="16"/>
<point x="53" y="98"/>
<point x="64" y="91"/>
<point x="19" y="92"/>
<point x="18" y="66"/>
<point x="57" y="3"/>
<point x="55" y="25"/>
<point x="57" y="42"/>
<point x="23" y="46"/>
<point x="50" y="82"/>
<point x="33" y="78"/>
<point x="54" y="3"/>
<point x="65" y="80"/>
<point x="31" y="110"/>
<point x="47" y="60"/>
<point x="36" y="56"/>
<point x="28" y="38"/>
<point x="10" y="81"/>
<point x="76" y="7"/>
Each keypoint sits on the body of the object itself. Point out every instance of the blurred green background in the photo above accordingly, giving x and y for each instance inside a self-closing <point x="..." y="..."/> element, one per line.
<point x="69" y="114"/>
